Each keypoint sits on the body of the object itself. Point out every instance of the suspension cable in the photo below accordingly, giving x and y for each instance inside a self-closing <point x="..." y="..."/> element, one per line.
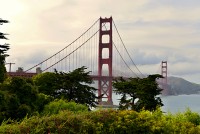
<point x="124" y="60"/>
<point x="127" y="50"/>
<point x="72" y="51"/>
<point x="122" y="56"/>
<point x="64" y="47"/>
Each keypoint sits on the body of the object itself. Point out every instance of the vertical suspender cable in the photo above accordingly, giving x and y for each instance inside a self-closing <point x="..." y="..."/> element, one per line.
<point x="127" y="50"/>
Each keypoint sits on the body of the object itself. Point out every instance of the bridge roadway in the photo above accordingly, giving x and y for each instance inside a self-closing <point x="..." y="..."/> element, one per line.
<point x="30" y="74"/>
<point x="22" y="74"/>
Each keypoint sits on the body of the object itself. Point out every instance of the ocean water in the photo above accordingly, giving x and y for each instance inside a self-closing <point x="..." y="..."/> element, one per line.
<point x="175" y="104"/>
<point x="180" y="103"/>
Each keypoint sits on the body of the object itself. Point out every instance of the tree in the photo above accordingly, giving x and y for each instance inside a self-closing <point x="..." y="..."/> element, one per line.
<point x="19" y="96"/>
<point x="3" y="49"/>
<point x="46" y="83"/>
<point x="24" y="89"/>
<point x="75" y="86"/>
<point x="41" y="101"/>
<point x="142" y="93"/>
<point x="3" y="105"/>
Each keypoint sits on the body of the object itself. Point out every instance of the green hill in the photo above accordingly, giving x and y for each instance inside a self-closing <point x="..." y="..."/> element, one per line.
<point x="178" y="86"/>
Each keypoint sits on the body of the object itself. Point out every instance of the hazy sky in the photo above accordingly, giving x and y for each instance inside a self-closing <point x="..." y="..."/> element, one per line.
<point x="153" y="30"/>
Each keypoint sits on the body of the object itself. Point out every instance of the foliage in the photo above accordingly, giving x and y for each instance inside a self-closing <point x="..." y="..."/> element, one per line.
<point x="3" y="105"/>
<point x="3" y="54"/>
<point x="2" y="70"/>
<point x="18" y="97"/>
<point x="41" y="101"/>
<point x="107" y="121"/>
<point x="72" y="86"/>
<point x="143" y="93"/>
<point x="46" y="83"/>
<point x="56" y="106"/>
<point x="23" y="89"/>
<point x="124" y="102"/>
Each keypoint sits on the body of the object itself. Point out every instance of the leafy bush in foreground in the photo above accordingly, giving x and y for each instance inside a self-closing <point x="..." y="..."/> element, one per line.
<point x="59" y="105"/>
<point x="107" y="121"/>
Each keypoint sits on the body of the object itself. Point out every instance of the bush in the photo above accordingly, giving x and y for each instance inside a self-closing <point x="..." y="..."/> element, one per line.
<point x="106" y="121"/>
<point x="41" y="101"/>
<point x="56" y="106"/>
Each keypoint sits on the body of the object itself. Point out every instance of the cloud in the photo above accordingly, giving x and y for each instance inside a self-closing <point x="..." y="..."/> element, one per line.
<point x="184" y="68"/>
<point x="151" y="30"/>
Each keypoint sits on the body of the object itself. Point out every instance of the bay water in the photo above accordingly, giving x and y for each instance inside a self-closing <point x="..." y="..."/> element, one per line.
<point x="175" y="104"/>
<point x="180" y="103"/>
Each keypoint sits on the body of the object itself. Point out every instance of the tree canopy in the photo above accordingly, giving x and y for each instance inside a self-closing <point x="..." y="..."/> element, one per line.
<point x="3" y="54"/>
<point x="46" y="83"/>
<point x="19" y="97"/>
<point x="73" y="86"/>
<point x="139" y="93"/>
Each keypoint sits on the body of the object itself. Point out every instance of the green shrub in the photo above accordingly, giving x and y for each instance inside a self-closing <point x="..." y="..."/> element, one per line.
<point x="59" y="105"/>
<point x="23" y="110"/>
<point x="105" y="121"/>
<point x="192" y="117"/>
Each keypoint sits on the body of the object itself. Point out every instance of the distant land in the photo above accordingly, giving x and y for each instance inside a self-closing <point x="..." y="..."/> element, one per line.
<point x="179" y="86"/>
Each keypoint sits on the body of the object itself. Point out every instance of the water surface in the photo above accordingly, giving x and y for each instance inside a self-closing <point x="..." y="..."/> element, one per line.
<point x="175" y="104"/>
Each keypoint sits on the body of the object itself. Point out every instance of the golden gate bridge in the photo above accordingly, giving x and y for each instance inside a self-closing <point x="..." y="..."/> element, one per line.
<point x="101" y="49"/>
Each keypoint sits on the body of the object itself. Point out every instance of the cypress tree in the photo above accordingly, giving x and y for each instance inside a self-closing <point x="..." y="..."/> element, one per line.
<point x="3" y="53"/>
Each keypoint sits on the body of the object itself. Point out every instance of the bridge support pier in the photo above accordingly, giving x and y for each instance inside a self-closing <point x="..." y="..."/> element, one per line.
<point x="105" y="84"/>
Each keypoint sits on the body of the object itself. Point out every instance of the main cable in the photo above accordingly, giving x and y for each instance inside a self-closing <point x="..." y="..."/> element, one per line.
<point x="127" y="50"/>
<point x="122" y="57"/>
<point x="64" y="47"/>
<point x="71" y="52"/>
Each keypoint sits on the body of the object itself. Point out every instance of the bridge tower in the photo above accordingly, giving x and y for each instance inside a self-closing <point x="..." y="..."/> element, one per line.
<point x="164" y="79"/>
<point x="105" y="82"/>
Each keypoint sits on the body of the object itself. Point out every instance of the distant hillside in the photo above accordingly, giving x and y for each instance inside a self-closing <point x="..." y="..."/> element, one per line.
<point x="179" y="86"/>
